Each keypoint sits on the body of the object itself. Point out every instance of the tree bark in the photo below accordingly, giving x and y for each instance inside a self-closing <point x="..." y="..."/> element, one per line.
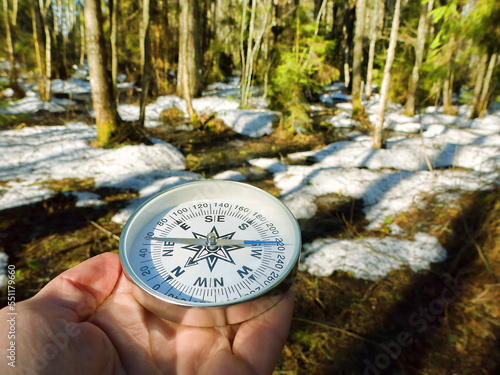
<point x="483" y="100"/>
<point x="419" y="56"/>
<point x="37" y="36"/>
<point x="243" y="63"/>
<point x="189" y="51"/>
<point x="248" y="60"/>
<point x="371" y="53"/>
<point x="145" y="57"/>
<point x="384" y="92"/>
<point x="113" y="7"/>
<point x="358" y="55"/>
<point x="253" y="45"/>
<point x="448" y="82"/>
<point x="106" y="115"/>
<point x="83" y="43"/>
<point x="189" y="77"/>
<point x="14" y="12"/>
<point x="10" y="44"/>
<point x="44" y="8"/>
<point x="481" y="71"/>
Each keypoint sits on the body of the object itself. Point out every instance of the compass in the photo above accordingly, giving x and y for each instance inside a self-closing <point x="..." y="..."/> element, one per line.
<point x="210" y="253"/>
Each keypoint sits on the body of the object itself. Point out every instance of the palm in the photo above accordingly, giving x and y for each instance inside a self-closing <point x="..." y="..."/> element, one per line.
<point x="106" y="331"/>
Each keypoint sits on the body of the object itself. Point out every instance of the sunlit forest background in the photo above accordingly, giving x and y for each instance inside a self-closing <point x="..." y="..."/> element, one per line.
<point x="302" y="61"/>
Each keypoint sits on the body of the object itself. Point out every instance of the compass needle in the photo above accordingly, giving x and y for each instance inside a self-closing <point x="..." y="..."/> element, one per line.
<point x="210" y="253"/>
<point x="219" y="242"/>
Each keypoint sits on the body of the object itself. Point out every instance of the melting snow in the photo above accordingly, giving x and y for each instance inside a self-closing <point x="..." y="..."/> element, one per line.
<point x="371" y="258"/>
<point x="43" y="153"/>
<point x="230" y="175"/>
<point x="254" y="123"/>
<point x="464" y="155"/>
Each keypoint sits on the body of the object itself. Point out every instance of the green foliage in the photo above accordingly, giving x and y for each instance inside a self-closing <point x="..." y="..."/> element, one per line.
<point x="301" y="68"/>
<point x="287" y="91"/>
<point x="482" y="25"/>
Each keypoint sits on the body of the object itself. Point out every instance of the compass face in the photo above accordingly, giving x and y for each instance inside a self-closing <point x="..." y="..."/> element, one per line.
<point x="210" y="244"/>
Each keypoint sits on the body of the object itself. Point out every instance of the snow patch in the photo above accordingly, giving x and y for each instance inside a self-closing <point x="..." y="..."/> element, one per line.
<point x="230" y="175"/>
<point x="371" y="258"/>
<point x="40" y="153"/>
<point x="254" y="123"/>
<point x="169" y="181"/>
<point x="271" y="165"/>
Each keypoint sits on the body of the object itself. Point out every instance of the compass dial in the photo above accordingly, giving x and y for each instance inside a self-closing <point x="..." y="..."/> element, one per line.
<point x="211" y="253"/>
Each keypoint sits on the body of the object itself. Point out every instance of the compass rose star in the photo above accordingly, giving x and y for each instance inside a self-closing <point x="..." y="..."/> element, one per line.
<point x="211" y="255"/>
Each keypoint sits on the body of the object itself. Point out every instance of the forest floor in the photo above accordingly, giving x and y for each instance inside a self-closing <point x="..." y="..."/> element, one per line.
<point x="442" y="321"/>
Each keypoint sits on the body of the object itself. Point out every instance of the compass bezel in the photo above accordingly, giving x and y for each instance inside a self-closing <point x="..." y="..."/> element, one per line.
<point x="208" y="313"/>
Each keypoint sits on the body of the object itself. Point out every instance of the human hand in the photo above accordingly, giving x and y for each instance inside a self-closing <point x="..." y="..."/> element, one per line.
<point x="86" y="321"/>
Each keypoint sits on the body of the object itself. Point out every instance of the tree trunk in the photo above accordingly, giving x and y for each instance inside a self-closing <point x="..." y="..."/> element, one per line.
<point x="189" y="51"/>
<point x="145" y="57"/>
<point x="371" y="53"/>
<point x="249" y="61"/>
<point x="481" y="71"/>
<point x="188" y="83"/>
<point x="14" y="12"/>
<point x="10" y="44"/>
<point x="106" y="115"/>
<point x="447" y="88"/>
<point x="37" y="36"/>
<point x="243" y="53"/>
<point x="318" y="16"/>
<point x="113" y="8"/>
<point x="83" y="43"/>
<point x="358" y="56"/>
<point x="253" y="45"/>
<point x="483" y="100"/>
<point x="346" y="42"/>
<point x="419" y="56"/>
<point x="384" y="92"/>
<point x="44" y="8"/>
<point x="448" y="82"/>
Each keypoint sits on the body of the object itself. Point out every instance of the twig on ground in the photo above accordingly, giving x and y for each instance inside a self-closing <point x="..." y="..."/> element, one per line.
<point x="104" y="230"/>
<point x="328" y="326"/>
<point x="479" y="250"/>
<point x="427" y="160"/>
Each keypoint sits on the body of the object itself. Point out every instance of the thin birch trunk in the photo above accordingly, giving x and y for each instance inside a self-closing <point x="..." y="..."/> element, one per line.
<point x="425" y="9"/>
<point x="448" y="82"/>
<point x="37" y="36"/>
<point x="478" y="86"/>
<point x="248" y="60"/>
<point x="83" y="42"/>
<point x="145" y="67"/>
<point x="483" y="100"/>
<point x="113" y="4"/>
<point x="358" y="55"/>
<point x="371" y="53"/>
<point x="10" y="44"/>
<point x="44" y="8"/>
<point x="377" y="136"/>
